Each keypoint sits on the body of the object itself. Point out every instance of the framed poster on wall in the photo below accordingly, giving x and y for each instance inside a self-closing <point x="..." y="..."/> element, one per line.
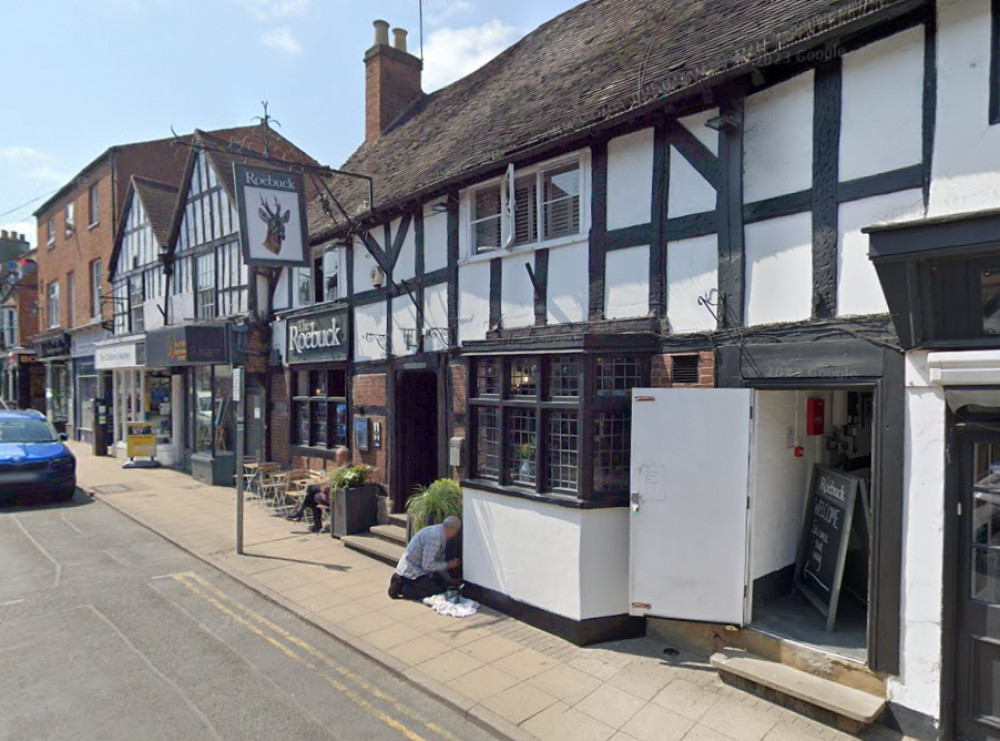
<point x="361" y="434"/>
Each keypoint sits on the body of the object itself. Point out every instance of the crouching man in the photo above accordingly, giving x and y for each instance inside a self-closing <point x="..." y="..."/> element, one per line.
<point x="422" y="570"/>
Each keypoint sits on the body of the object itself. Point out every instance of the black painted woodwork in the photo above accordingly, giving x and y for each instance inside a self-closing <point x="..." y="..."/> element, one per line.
<point x="598" y="228"/>
<point x="825" y="178"/>
<point x="540" y="282"/>
<point x="579" y="632"/>
<point x="496" y="292"/>
<point x="658" y="211"/>
<point x="730" y="218"/>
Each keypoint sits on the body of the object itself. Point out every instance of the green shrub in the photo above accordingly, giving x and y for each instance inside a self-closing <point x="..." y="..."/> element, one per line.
<point x="431" y="504"/>
<point x="351" y="477"/>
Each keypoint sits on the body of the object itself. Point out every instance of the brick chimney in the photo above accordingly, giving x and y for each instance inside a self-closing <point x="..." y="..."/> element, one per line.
<point x="392" y="80"/>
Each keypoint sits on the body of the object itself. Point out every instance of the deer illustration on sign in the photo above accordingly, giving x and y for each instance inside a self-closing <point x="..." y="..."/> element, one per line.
<point x="275" y="221"/>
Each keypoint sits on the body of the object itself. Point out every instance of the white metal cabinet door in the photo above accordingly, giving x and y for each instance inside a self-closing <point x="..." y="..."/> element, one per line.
<point x="688" y="523"/>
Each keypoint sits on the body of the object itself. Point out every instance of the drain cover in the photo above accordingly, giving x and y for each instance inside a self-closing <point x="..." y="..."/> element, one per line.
<point x="111" y="488"/>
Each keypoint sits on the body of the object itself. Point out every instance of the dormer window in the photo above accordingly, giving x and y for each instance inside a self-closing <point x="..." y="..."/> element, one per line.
<point x="527" y="206"/>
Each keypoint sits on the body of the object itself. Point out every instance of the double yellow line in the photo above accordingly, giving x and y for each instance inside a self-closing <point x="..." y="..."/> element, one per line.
<point x="340" y="678"/>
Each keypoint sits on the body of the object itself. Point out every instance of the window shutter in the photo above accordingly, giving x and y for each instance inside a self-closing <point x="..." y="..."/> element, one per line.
<point x="525" y="210"/>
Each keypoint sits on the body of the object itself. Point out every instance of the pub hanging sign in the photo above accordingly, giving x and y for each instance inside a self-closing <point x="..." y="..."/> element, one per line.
<point x="318" y="337"/>
<point x="272" y="212"/>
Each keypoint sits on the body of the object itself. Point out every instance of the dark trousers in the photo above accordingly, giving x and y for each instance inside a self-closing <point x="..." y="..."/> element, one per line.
<point x="310" y="502"/>
<point x="417" y="589"/>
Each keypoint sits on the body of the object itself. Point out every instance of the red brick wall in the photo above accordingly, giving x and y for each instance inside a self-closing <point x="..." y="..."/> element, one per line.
<point x="370" y="390"/>
<point x="278" y="421"/>
<point x="392" y="82"/>
<point x="662" y="371"/>
<point x="75" y="253"/>
<point x="460" y="389"/>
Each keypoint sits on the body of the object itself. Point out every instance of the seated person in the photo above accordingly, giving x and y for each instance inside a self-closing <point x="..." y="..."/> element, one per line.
<point x="319" y="494"/>
<point x="422" y="570"/>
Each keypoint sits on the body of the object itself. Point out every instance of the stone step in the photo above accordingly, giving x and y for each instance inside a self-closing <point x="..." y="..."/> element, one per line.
<point x="398" y="518"/>
<point x="851" y="710"/>
<point x="374" y="547"/>
<point x="390" y="534"/>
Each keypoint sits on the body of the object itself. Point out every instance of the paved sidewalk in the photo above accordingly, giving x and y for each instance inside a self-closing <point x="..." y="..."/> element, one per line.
<point x="519" y="681"/>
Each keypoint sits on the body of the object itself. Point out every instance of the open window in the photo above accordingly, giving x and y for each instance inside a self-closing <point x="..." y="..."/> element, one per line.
<point x="528" y="206"/>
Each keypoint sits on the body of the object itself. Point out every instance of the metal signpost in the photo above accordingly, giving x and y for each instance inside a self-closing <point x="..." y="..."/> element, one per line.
<point x="239" y="398"/>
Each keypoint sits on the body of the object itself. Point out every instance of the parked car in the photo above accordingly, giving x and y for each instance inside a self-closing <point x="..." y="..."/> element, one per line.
<point x="34" y="460"/>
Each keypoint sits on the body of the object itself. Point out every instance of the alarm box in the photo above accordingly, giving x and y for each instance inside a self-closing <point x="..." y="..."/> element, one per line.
<point x="815" y="415"/>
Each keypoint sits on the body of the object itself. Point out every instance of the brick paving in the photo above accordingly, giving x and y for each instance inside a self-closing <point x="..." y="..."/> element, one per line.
<point x="519" y="679"/>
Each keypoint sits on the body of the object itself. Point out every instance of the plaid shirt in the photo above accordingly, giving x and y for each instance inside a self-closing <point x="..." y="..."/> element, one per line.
<point x="425" y="554"/>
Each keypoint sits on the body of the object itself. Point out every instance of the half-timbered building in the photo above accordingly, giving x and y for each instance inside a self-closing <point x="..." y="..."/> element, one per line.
<point x="617" y="281"/>
<point x="187" y="308"/>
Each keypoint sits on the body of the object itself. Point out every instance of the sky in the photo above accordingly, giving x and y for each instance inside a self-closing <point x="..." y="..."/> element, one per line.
<point x="81" y="75"/>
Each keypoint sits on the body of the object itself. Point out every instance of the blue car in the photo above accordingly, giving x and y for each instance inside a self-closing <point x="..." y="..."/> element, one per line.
<point x="33" y="458"/>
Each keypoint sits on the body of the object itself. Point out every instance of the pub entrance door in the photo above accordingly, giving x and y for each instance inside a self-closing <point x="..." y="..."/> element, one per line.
<point x="975" y="691"/>
<point x="416" y="451"/>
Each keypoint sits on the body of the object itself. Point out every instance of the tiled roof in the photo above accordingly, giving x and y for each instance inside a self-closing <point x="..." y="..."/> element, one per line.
<point x="597" y="62"/>
<point x="159" y="201"/>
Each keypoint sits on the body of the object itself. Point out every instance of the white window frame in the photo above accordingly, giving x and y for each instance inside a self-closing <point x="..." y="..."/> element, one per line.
<point x="95" y="289"/>
<point x="94" y="205"/>
<point x="69" y="216"/>
<point x="50" y="237"/>
<point x="508" y="215"/>
<point x="70" y="299"/>
<point x="52" y="303"/>
<point x="8" y="326"/>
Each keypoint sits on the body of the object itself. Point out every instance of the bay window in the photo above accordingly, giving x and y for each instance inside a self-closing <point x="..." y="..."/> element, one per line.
<point x="527" y="206"/>
<point x="556" y="424"/>
<point x="319" y="408"/>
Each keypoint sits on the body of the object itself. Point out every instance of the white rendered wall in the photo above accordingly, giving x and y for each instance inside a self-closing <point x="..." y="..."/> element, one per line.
<point x="435" y="240"/>
<point x="779" y="270"/>
<point x="689" y="192"/>
<point x="883" y="82"/>
<point x="151" y="314"/>
<point x="435" y="315"/>
<point x="858" y="288"/>
<point x="279" y="338"/>
<point x="626" y="283"/>
<point x="778" y="140"/>
<point x="406" y="263"/>
<point x="281" y="291"/>
<point x="517" y="294"/>
<point x="182" y="307"/>
<point x="363" y="263"/>
<point x="369" y="319"/>
<point x="918" y="684"/>
<point x="566" y="294"/>
<point x="473" y="301"/>
<point x="630" y="179"/>
<point x="966" y="168"/>
<point x="537" y="553"/>
<point x="696" y="124"/>
<point x="692" y="272"/>
<point x="404" y="316"/>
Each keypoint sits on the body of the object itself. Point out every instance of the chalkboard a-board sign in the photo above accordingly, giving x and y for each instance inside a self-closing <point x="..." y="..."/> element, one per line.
<point x="826" y="531"/>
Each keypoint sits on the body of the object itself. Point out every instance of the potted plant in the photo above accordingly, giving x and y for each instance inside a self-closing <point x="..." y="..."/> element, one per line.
<point x="430" y="504"/>
<point x="355" y="500"/>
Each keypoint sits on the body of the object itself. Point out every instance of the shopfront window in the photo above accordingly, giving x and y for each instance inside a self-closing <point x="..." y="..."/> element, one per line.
<point x="158" y="409"/>
<point x="59" y="403"/>
<point x="529" y="414"/>
<point x="319" y="408"/>
<point x="204" y="420"/>
<point x="86" y="380"/>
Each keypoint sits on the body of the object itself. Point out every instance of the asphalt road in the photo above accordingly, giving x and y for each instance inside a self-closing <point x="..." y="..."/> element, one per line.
<point x="108" y="632"/>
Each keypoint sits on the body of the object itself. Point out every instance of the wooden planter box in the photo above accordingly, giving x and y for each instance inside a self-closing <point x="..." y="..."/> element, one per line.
<point x="354" y="510"/>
